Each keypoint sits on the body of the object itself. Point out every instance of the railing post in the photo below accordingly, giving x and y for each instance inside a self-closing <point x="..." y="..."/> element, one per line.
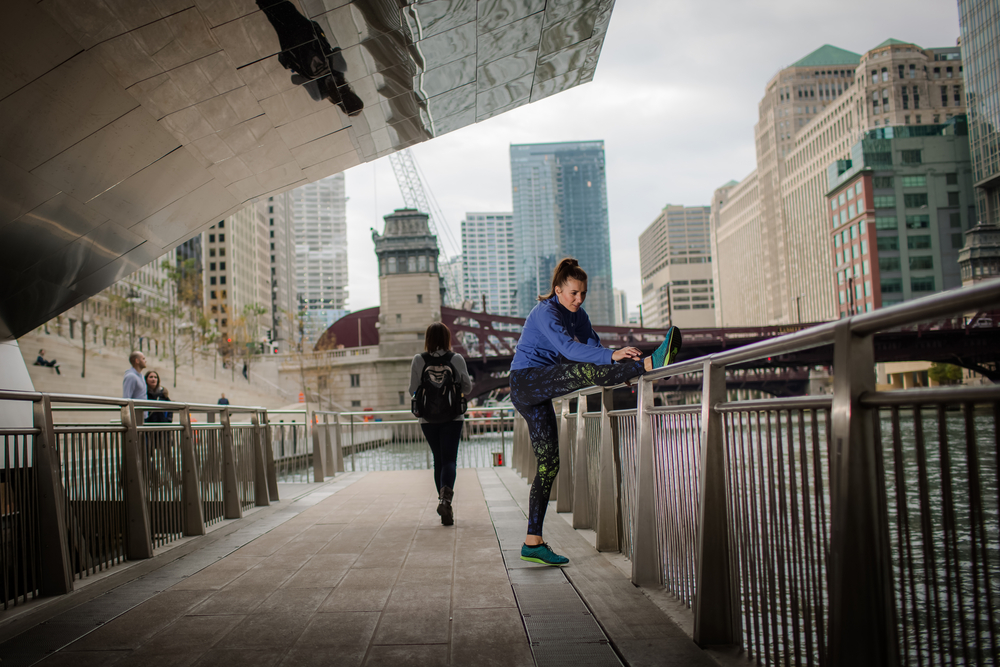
<point x="716" y="617"/>
<point x="272" y="473"/>
<point x="607" y="500"/>
<point x="862" y="608"/>
<point x="331" y="458"/>
<point x="193" y="513"/>
<point x="338" y="434"/>
<point x="581" y="468"/>
<point x="562" y="490"/>
<point x="56" y="576"/>
<point x="261" y="494"/>
<point x="645" y="548"/>
<point x="140" y="531"/>
<point x="319" y="450"/>
<point x="230" y="488"/>
<point x="518" y="457"/>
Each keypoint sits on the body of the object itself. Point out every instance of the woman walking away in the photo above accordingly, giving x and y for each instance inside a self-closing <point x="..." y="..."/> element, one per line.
<point x="559" y="352"/>
<point x="439" y="382"/>
<point x="157" y="392"/>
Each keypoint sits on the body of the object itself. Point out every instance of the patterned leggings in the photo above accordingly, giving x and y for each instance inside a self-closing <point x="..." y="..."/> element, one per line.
<point x="532" y="391"/>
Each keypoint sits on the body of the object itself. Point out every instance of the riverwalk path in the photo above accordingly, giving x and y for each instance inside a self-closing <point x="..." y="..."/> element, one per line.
<point x="359" y="571"/>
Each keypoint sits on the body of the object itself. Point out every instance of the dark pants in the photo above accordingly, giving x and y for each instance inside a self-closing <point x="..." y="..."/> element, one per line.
<point x="531" y="392"/>
<point x="443" y="439"/>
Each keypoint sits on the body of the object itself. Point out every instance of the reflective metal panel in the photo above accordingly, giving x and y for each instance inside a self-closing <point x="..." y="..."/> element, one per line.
<point x="128" y="127"/>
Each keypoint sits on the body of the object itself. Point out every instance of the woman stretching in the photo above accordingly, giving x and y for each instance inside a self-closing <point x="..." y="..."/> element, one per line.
<point x="558" y="352"/>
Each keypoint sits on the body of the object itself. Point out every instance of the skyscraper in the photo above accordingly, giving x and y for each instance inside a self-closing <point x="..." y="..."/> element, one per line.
<point x="561" y="210"/>
<point x="978" y="21"/>
<point x="320" y="211"/>
<point x="279" y="212"/>
<point x="812" y="114"/>
<point x="676" y="269"/>
<point x="488" y="262"/>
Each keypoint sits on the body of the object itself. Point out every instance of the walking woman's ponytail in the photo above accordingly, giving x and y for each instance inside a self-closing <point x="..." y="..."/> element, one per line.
<point x="567" y="268"/>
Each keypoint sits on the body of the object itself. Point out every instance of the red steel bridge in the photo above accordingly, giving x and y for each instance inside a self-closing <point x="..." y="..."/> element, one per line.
<point x="487" y="342"/>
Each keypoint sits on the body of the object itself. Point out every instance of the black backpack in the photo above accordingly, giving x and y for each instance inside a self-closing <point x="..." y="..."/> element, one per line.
<point x="439" y="396"/>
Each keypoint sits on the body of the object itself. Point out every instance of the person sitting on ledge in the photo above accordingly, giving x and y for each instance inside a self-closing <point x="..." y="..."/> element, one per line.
<point x="41" y="361"/>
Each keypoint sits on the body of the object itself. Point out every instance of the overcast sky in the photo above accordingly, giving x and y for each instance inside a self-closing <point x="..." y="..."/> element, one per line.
<point x="674" y="99"/>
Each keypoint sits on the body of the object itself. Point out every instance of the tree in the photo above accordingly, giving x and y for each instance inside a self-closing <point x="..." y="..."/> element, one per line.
<point x="945" y="373"/>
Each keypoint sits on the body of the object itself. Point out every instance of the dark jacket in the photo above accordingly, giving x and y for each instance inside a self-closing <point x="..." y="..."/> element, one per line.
<point x="159" y="417"/>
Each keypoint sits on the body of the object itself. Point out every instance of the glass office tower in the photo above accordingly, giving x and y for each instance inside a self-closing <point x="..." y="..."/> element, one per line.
<point x="561" y="210"/>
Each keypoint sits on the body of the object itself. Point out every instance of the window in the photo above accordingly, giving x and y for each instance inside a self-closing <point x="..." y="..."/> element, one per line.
<point x="952" y="199"/>
<point x="841" y="199"/>
<point x="944" y="96"/>
<point x="833" y="204"/>
<point x="888" y="243"/>
<point x="422" y="264"/>
<point x="211" y="252"/>
<point x="211" y="238"/>
<point x="922" y="284"/>
<point x="864" y="247"/>
<point x="921" y="263"/>
<point x="885" y="74"/>
<point x="885" y="201"/>
<point x="211" y="266"/>
<point x="958" y="96"/>
<point x="955" y="219"/>
<point x="910" y="157"/>
<point x="956" y="241"/>
<point x="222" y="238"/>
<point x="222" y="280"/>
<point x="411" y="264"/>
<point x="901" y="72"/>
<point x="850" y="212"/>
<point x="874" y="76"/>
<point x="854" y="231"/>
<point x="402" y="398"/>
<point x="222" y="224"/>
<point x="948" y="73"/>
<point x="211" y="294"/>
<point x="915" y="200"/>
<point x="399" y="318"/>
<point x="891" y="286"/>
<point x="951" y="179"/>
<point x="392" y="265"/>
<point x="914" y="181"/>
<point x="885" y="222"/>
<point x="854" y="251"/>
<point x="906" y="96"/>
<point x="222" y="266"/>
<point x="355" y="404"/>
<point x="857" y="188"/>
<point x="211" y="280"/>
<point x="868" y="289"/>
<point x="865" y="267"/>
<point x="888" y="264"/>
<point x="355" y="379"/>
<point x="918" y="221"/>
<point x="918" y="242"/>
<point x="882" y="181"/>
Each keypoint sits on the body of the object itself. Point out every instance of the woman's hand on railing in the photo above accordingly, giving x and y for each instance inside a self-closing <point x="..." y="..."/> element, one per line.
<point x="626" y="353"/>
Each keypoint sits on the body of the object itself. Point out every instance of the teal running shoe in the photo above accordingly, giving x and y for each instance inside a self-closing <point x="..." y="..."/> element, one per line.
<point x="668" y="349"/>
<point x="541" y="553"/>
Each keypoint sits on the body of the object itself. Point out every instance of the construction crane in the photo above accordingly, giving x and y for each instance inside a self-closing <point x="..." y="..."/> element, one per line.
<point x="415" y="195"/>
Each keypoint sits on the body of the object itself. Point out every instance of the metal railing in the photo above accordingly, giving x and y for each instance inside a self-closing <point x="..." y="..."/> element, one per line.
<point x="857" y="528"/>
<point x="77" y="499"/>
<point x="393" y="440"/>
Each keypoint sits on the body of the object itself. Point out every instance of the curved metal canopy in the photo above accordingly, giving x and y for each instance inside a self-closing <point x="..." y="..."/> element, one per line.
<point x="129" y="126"/>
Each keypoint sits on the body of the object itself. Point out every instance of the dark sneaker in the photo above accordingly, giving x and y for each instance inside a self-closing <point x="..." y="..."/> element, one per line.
<point x="668" y="349"/>
<point x="541" y="553"/>
<point x="444" y="506"/>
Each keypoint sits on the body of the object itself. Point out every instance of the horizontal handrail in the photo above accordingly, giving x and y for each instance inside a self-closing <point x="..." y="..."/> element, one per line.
<point x="943" y="304"/>
<point x="953" y="395"/>
<point x="789" y="403"/>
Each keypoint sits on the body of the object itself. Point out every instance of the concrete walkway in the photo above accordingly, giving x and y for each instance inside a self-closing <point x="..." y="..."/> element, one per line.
<point x="366" y="575"/>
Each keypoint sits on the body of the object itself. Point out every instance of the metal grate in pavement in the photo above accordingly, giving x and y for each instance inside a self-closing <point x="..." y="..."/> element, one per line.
<point x="561" y="630"/>
<point x="575" y="655"/>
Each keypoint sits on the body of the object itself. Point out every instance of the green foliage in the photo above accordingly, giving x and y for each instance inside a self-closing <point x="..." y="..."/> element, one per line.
<point x="945" y="373"/>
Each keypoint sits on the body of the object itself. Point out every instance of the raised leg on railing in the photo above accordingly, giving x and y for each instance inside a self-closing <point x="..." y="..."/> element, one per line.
<point x="56" y="576"/>
<point x="862" y="609"/>
<point x="645" y="547"/>
<point x="716" y="612"/>
<point x="193" y="513"/>
<point x="140" y="531"/>
<point x="230" y="489"/>
<point x="607" y="496"/>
